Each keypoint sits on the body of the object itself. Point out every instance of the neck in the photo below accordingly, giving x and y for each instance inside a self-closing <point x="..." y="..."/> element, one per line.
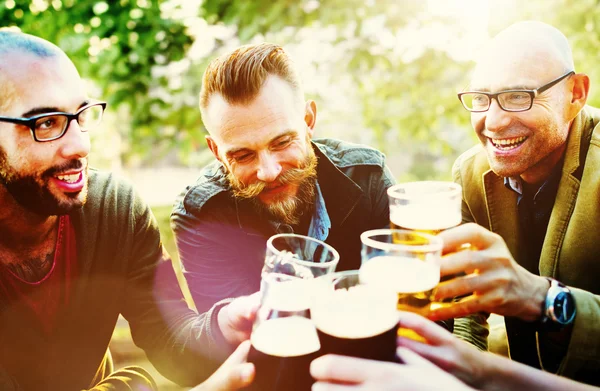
<point x="20" y="227"/>
<point x="540" y="172"/>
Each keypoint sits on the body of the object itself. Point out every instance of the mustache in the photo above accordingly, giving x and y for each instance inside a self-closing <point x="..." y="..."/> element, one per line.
<point x="293" y="175"/>
<point x="73" y="164"/>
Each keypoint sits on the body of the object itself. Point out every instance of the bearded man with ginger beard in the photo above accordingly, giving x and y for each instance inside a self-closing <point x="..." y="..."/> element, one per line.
<point x="269" y="177"/>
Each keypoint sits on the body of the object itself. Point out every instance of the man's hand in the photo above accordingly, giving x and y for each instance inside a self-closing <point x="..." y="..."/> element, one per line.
<point x="235" y="373"/>
<point x="341" y="373"/>
<point x="235" y="319"/>
<point x="497" y="283"/>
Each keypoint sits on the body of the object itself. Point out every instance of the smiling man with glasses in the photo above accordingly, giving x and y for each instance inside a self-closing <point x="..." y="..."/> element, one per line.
<point x="532" y="188"/>
<point x="78" y="247"/>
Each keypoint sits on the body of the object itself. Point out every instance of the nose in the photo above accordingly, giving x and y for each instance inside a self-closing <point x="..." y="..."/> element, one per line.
<point x="75" y="143"/>
<point x="268" y="167"/>
<point x="495" y="118"/>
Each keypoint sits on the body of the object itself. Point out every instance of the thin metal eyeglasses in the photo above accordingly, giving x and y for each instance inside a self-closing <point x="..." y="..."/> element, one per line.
<point x="510" y="100"/>
<point x="52" y="126"/>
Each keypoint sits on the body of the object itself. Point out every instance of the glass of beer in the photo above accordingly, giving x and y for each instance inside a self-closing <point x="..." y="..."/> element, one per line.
<point x="300" y="256"/>
<point x="407" y="262"/>
<point x="284" y="339"/>
<point x="427" y="206"/>
<point x="354" y="318"/>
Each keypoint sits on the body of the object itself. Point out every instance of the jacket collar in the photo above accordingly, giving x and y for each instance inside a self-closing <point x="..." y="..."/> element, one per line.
<point x="341" y="194"/>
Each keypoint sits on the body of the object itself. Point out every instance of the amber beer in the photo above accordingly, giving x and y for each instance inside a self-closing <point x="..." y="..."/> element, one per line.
<point x="282" y="350"/>
<point x="413" y="279"/>
<point x="414" y="220"/>
<point x="358" y="320"/>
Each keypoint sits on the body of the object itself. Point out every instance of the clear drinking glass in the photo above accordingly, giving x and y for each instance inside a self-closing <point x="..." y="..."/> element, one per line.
<point x="299" y="256"/>
<point x="354" y="318"/>
<point x="427" y="206"/>
<point x="407" y="262"/>
<point x="284" y="338"/>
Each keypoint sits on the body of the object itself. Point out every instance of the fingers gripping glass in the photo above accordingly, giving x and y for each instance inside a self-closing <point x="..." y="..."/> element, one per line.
<point x="52" y="126"/>
<point x="510" y="100"/>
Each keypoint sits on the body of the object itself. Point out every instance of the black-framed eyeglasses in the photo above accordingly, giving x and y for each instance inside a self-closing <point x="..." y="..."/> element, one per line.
<point x="509" y="100"/>
<point x="52" y="126"/>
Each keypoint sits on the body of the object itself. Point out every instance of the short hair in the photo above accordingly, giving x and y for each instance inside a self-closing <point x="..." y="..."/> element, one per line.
<point x="239" y="75"/>
<point x="11" y="40"/>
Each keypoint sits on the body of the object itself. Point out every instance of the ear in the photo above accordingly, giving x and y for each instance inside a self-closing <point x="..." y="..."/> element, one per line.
<point x="310" y="116"/>
<point x="212" y="145"/>
<point x="579" y="93"/>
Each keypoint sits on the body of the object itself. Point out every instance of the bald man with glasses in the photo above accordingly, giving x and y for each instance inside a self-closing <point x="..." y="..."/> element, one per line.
<point x="532" y="190"/>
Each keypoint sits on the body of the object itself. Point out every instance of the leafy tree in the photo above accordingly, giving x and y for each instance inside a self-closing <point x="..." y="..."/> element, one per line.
<point x="116" y="44"/>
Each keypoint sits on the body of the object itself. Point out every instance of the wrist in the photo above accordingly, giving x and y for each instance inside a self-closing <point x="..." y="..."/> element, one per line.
<point x="487" y="371"/>
<point x="537" y="300"/>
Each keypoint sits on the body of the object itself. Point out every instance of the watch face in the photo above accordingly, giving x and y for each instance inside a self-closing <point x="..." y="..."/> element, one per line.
<point x="564" y="307"/>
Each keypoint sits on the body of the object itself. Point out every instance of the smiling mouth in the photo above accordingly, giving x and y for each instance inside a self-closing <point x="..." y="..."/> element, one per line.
<point x="70" y="178"/>
<point x="508" y="143"/>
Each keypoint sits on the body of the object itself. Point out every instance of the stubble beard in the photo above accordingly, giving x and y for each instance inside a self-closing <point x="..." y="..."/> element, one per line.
<point x="32" y="191"/>
<point x="288" y="209"/>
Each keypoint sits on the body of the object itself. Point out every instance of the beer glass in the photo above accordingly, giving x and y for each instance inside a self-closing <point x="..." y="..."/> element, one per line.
<point x="284" y="339"/>
<point x="299" y="256"/>
<point x="407" y="262"/>
<point x="354" y="318"/>
<point x="427" y="206"/>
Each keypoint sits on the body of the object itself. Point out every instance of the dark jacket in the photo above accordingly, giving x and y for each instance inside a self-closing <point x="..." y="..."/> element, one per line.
<point x="222" y="240"/>
<point x="122" y="269"/>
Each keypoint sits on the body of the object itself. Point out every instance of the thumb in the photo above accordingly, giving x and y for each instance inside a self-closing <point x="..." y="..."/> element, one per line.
<point x="237" y="377"/>
<point x="233" y="374"/>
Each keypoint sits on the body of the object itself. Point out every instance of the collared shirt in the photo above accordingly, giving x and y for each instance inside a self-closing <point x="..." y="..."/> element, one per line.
<point x="534" y="213"/>
<point x="319" y="222"/>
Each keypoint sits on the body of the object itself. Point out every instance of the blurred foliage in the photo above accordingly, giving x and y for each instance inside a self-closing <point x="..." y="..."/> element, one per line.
<point x="114" y="43"/>
<point x="149" y="55"/>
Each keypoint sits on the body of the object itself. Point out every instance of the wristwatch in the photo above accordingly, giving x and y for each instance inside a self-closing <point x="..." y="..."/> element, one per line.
<point x="558" y="310"/>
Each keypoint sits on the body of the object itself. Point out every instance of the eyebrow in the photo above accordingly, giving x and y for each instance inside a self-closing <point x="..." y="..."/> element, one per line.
<point x="289" y="132"/>
<point x="44" y="110"/>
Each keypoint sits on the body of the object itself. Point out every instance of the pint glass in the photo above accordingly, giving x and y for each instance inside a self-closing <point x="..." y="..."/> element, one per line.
<point x="408" y="262"/>
<point x="353" y="318"/>
<point x="284" y="339"/>
<point x="299" y="256"/>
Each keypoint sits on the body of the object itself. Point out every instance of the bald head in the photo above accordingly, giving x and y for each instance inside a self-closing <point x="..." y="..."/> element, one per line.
<point x="524" y="50"/>
<point x="11" y="41"/>
<point x="16" y="52"/>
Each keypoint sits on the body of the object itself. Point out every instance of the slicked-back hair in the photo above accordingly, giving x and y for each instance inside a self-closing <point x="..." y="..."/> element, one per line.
<point x="16" y="41"/>
<point x="239" y="75"/>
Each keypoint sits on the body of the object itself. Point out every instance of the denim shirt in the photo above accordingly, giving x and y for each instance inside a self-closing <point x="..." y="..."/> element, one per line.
<point x="222" y="240"/>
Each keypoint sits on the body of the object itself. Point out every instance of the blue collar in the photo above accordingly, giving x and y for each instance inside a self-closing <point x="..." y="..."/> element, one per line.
<point x="320" y="223"/>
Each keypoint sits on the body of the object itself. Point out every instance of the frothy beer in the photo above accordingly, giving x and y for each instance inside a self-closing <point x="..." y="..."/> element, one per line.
<point x="424" y="218"/>
<point x="359" y="321"/>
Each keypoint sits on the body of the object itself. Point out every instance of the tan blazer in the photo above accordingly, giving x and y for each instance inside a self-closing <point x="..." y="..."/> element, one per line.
<point x="571" y="249"/>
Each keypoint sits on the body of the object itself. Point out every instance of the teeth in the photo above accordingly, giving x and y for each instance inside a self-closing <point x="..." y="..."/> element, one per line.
<point x="508" y="143"/>
<point x="68" y="178"/>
